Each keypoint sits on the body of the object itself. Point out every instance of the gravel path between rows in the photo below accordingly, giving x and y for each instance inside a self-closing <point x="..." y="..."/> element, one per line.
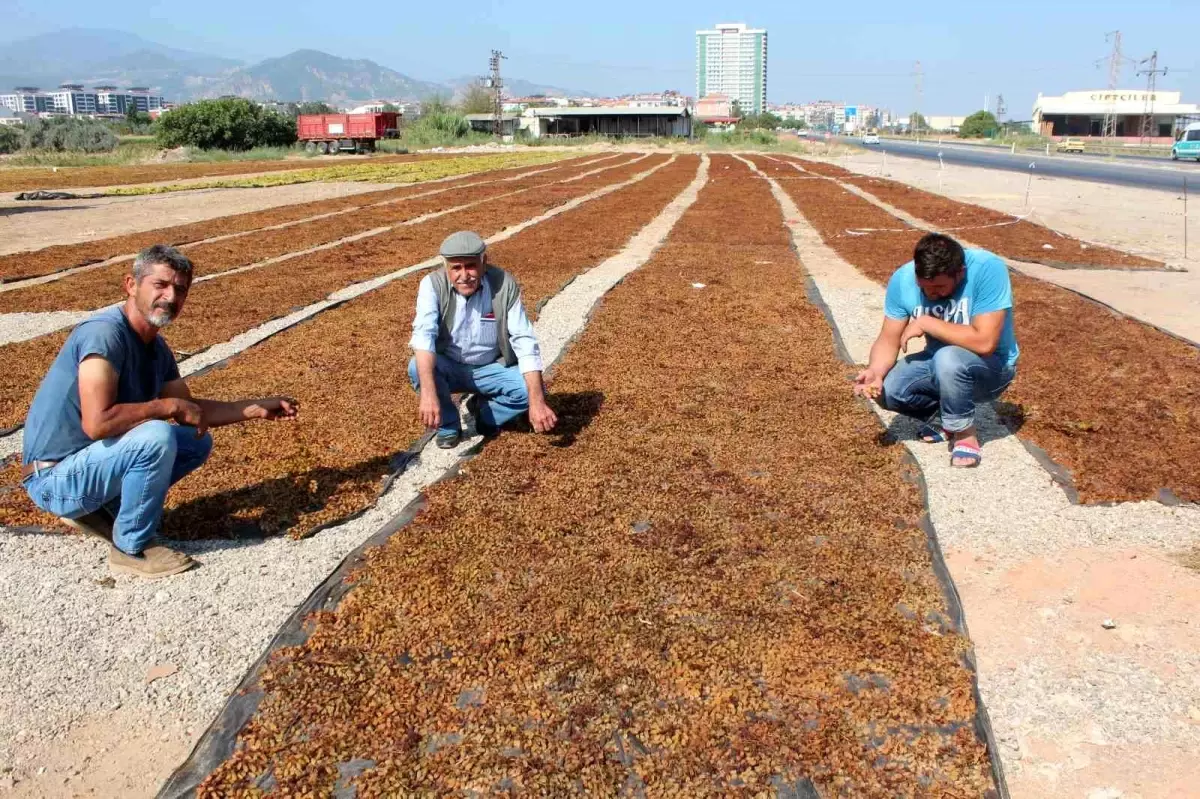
<point x="87" y="647"/>
<point x="1077" y="710"/>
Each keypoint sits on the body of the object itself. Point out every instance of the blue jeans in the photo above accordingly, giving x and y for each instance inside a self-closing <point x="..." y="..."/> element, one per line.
<point x="950" y="380"/>
<point x="502" y="386"/>
<point x="129" y="474"/>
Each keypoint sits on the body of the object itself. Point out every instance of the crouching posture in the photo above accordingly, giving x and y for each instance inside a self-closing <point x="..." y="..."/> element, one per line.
<point x="471" y="334"/>
<point x="100" y="447"/>
<point x="961" y="301"/>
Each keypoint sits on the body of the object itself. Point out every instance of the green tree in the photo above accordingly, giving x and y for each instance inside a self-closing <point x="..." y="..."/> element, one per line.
<point x="763" y="121"/>
<point x="10" y="139"/>
<point x="312" y="108"/>
<point x="68" y="133"/>
<point x="980" y="125"/>
<point x="392" y="107"/>
<point x="230" y="123"/>
<point x="476" y="100"/>
<point x="735" y="109"/>
<point x="916" y="121"/>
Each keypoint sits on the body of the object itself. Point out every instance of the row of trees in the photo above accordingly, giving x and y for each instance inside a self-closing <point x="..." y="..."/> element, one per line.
<point x="59" y="134"/>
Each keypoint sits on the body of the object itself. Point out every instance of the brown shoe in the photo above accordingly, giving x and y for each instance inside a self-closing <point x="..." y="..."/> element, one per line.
<point x="98" y="524"/>
<point x="155" y="562"/>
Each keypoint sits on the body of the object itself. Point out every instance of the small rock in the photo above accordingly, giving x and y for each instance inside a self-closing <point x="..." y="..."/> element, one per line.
<point x="106" y="582"/>
<point x="160" y="671"/>
<point x="41" y="771"/>
<point x="641" y="526"/>
<point x="1047" y="247"/>
<point x="698" y="285"/>
<point x="1108" y="624"/>
<point x="161" y="596"/>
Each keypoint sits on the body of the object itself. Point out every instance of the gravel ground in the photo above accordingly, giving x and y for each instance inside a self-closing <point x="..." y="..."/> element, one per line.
<point x="87" y="643"/>
<point x="1074" y="712"/>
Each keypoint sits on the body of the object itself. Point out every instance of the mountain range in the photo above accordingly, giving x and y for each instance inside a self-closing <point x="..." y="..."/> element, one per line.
<point x="97" y="56"/>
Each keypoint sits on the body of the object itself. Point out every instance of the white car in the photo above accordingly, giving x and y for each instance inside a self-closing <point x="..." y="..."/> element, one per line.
<point x="870" y="138"/>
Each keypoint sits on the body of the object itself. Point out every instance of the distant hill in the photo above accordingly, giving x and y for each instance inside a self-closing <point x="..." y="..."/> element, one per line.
<point x="99" y="56"/>
<point x="515" y="87"/>
<point x="313" y="75"/>
<point x="78" y="53"/>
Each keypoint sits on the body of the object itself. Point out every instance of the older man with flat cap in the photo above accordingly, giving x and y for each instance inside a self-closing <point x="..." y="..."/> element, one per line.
<point x="471" y="334"/>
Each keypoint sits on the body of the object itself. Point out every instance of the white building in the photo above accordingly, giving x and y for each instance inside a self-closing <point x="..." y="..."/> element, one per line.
<point x="72" y="99"/>
<point x="1082" y="113"/>
<point x="732" y="60"/>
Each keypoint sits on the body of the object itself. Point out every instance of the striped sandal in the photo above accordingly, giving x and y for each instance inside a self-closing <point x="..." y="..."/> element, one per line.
<point x="966" y="451"/>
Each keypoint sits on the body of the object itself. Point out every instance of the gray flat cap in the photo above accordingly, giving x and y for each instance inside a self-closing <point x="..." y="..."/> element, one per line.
<point x="463" y="244"/>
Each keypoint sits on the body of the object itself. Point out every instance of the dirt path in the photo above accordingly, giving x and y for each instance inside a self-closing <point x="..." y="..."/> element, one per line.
<point x="33" y="225"/>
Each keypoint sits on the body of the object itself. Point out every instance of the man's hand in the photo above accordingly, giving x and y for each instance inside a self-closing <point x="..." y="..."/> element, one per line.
<point x="868" y="384"/>
<point x="913" y="329"/>
<point x="541" y="417"/>
<point x="186" y="412"/>
<point x="274" y="408"/>
<point x="429" y="411"/>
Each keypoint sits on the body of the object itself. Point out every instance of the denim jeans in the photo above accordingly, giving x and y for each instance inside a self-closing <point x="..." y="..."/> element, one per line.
<point x="502" y="386"/>
<point x="130" y="474"/>
<point x="950" y="380"/>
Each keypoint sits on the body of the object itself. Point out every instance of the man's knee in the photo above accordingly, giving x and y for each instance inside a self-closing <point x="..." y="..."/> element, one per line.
<point x="951" y="363"/>
<point x="201" y="448"/>
<point x="156" y="438"/>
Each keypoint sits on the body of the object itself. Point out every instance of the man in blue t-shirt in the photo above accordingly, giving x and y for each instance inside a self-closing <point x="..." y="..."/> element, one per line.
<point x="100" y="450"/>
<point x="961" y="301"/>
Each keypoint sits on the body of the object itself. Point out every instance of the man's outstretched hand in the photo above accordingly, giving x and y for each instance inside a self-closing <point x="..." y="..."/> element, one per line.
<point x="868" y="384"/>
<point x="275" y="408"/>
<point x="541" y="417"/>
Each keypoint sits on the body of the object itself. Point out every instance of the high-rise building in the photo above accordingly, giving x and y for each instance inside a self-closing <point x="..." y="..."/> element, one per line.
<point x="732" y="60"/>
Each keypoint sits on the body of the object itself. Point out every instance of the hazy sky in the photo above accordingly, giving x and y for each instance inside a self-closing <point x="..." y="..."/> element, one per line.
<point x="861" y="52"/>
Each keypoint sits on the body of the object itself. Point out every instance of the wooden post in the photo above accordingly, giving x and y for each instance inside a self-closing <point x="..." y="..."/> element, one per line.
<point x="1185" y="218"/>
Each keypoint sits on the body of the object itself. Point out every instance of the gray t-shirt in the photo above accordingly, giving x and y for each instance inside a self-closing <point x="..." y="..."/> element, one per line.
<point x="54" y="426"/>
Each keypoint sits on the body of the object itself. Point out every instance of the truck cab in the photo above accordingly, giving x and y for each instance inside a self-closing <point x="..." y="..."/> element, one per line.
<point x="1188" y="143"/>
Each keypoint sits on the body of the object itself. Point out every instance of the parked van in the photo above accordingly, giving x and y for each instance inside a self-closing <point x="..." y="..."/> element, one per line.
<point x="1188" y="145"/>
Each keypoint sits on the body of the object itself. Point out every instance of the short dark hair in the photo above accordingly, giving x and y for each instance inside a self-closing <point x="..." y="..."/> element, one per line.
<point x="163" y="254"/>
<point x="938" y="254"/>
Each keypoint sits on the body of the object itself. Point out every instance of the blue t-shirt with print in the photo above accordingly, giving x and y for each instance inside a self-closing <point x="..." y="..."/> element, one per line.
<point x="985" y="287"/>
<point x="54" y="426"/>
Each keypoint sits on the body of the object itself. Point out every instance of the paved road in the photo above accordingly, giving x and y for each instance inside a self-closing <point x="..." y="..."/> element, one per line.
<point x="1164" y="175"/>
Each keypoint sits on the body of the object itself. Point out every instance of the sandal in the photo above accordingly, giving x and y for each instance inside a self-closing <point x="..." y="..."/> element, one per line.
<point x="931" y="435"/>
<point x="968" y="451"/>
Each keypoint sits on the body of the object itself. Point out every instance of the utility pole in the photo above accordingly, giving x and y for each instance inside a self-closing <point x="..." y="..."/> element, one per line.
<point x="1114" y="61"/>
<point x="493" y="82"/>
<point x="1152" y="72"/>
<point x="919" y="75"/>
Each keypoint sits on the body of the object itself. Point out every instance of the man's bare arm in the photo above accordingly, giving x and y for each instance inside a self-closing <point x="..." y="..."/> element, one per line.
<point x="981" y="336"/>
<point x="541" y="415"/>
<point x="216" y="413"/>
<point x="100" y="413"/>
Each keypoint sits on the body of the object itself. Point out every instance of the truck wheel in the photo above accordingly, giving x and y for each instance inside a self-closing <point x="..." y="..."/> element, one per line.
<point x="310" y="146"/>
<point x="328" y="148"/>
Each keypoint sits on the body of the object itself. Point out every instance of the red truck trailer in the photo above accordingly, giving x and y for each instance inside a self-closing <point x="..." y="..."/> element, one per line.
<point x="356" y="133"/>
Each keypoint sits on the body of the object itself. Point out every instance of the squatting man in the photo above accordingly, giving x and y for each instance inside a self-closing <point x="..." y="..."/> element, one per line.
<point x="471" y="334"/>
<point x="100" y="450"/>
<point x="961" y="302"/>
